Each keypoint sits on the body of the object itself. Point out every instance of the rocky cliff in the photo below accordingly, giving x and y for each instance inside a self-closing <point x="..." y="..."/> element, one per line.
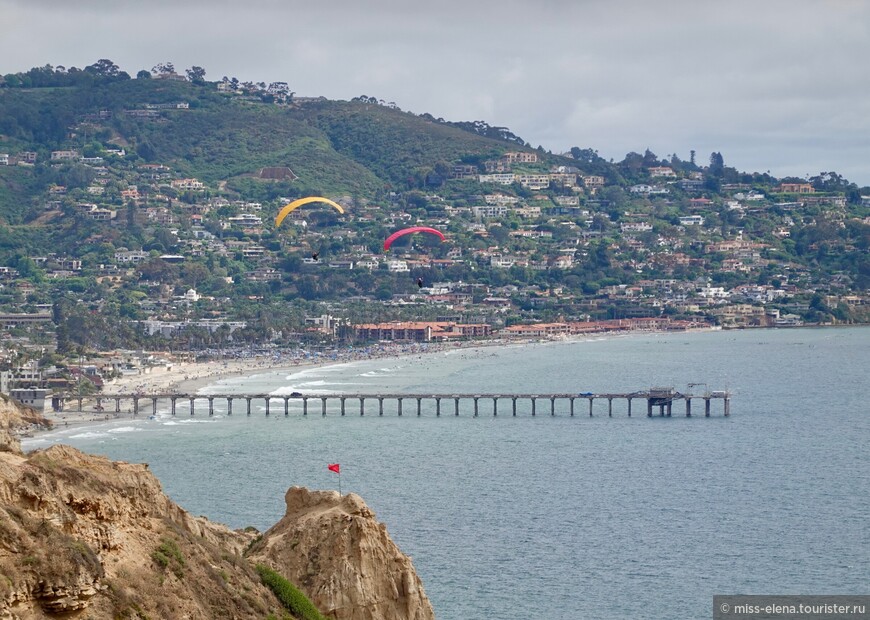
<point x="15" y="417"/>
<point x="335" y="550"/>
<point x="87" y="538"/>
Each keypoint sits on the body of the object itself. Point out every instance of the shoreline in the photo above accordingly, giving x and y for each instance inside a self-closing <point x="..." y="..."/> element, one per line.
<point x="191" y="377"/>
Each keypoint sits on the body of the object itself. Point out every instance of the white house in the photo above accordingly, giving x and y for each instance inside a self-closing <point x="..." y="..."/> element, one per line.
<point x="397" y="266"/>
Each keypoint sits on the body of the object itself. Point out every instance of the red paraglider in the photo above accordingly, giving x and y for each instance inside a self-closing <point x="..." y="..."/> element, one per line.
<point x="407" y="231"/>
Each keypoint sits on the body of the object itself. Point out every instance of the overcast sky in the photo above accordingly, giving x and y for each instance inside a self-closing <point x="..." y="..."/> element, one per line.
<point x="779" y="86"/>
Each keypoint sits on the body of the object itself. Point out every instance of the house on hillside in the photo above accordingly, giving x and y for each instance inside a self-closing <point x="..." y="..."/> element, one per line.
<point x="64" y="155"/>
<point x="797" y="188"/>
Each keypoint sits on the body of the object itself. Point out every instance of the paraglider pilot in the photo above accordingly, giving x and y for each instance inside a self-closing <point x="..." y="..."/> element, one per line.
<point x="419" y="282"/>
<point x="316" y="255"/>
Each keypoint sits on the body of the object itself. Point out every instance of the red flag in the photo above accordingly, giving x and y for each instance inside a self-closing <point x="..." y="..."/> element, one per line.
<point x="334" y="467"/>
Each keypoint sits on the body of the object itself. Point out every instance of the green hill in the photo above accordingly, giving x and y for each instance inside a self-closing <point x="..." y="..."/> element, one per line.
<point x="120" y="194"/>
<point x="332" y="146"/>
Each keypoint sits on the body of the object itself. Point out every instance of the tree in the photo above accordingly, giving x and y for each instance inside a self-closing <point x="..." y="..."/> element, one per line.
<point x="144" y="74"/>
<point x="103" y="68"/>
<point x="586" y="156"/>
<point x="158" y="270"/>
<point x="633" y="162"/>
<point x="279" y="88"/>
<point x="145" y="150"/>
<point x="163" y="68"/>
<point x="194" y="274"/>
<point x="717" y="165"/>
<point x="196" y="74"/>
<point x="650" y="159"/>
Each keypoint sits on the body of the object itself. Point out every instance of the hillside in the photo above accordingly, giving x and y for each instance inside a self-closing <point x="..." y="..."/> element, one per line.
<point x="119" y="197"/>
<point x="332" y="146"/>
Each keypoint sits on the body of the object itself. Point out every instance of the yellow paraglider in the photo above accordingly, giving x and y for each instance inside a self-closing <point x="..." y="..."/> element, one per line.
<point x="303" y="201"/>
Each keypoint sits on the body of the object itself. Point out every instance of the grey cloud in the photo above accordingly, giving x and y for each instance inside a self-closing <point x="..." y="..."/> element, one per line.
<point x="778" y="84"/>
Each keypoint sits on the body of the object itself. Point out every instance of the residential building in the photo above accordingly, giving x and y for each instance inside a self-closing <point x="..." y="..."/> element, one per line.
<point x="533" y="181"/>
<point x="503" y="199"/>
<point x="634" y="227"/>
<point x="187" y="184"/>
<point x="464" y="172"/>
<point x="32" y="397"/>
<point x="593" y="181"/>
<point x="8" y="321"/>
<point x="500" y="179"/>
<point x="397" y="266"/>
<point x="246" y="220"/>
<point x="398" y="331"/>
<point x="489" y="211"/>
<point x="131" y="256"/>
<point x="797" y="188"/>
<point x="64" y="155"/>
<point x="520" y="157"/>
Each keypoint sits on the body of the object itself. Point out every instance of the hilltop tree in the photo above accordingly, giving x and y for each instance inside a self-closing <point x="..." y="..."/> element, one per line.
<point x="633" y="163"/>
<point x="829" y="182"/>
<point x="717" y="164"/>
<point x="196" y="74"/>
<point x="104" y="68"/>
<point x="587" y="156"/>
<point x="163" y="68"/>
<point x="650" y="159"/>
<point x="278" y="88"/>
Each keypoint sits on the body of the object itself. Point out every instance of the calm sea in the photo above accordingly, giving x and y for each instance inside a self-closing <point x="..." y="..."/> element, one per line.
<point x="559" y="517"/>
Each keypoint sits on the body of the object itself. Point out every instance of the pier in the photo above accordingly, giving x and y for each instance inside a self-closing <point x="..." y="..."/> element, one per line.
<point x="659" y="402"/>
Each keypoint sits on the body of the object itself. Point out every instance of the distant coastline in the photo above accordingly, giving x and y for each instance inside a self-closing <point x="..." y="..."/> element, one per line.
<point x="192" y="377"/>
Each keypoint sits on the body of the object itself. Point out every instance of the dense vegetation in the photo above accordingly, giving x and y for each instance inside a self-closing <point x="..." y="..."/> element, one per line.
<point x="290" y="596"/>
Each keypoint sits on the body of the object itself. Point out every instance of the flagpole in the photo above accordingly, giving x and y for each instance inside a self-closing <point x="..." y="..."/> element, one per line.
<point x="337" y="469"/>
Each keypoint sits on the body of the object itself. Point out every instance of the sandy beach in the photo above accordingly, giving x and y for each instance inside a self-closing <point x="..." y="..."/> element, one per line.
<point x="190" y="377"/>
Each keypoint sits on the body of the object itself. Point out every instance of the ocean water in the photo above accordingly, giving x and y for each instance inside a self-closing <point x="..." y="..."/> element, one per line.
<point x="560" y="517"/>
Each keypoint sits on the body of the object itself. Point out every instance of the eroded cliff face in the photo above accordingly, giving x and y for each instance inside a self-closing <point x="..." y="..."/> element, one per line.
<point x="87" y="538"/>
<point x="14" y="417"/>
<point x="335" y="550"/>
<point x="80" y="533"/>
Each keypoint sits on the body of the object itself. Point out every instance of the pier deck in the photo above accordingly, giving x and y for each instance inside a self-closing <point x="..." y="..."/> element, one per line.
<point x="469" y="403"/>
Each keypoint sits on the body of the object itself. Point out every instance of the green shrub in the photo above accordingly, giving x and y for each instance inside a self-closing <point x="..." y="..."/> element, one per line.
<point x="291" y="598"/>
<point x="160" y="559"/>
<point x="168" y="554"/>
